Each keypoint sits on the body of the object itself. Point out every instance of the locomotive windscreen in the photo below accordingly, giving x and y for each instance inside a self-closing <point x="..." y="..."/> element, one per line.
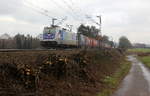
<point x="49" y="33"/>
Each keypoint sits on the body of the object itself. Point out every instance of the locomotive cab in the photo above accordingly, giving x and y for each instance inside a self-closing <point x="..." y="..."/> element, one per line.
<point x="51" y="37"/>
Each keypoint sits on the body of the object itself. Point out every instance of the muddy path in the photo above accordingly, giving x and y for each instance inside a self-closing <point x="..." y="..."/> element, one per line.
<point x="137" y="82"/>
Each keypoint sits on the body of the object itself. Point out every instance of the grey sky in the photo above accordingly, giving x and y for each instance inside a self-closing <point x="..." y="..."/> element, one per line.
<point x="119" y="17"/>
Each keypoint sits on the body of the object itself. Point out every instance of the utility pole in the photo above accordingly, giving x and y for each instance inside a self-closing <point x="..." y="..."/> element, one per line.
<point x="112" y="40"/>
<point x="53" y="21"/>
<point x="100" y="31"/>
<point x="100" y="24"/>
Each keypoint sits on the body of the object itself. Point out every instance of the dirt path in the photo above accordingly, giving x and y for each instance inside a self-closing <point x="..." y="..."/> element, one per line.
<point x="137" y="82"/>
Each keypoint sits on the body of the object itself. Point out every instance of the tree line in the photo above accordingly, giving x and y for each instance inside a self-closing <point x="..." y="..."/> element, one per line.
<point x="89" y="31"/>
<point x="20" y="41"/>
<point x="93" y="32"/>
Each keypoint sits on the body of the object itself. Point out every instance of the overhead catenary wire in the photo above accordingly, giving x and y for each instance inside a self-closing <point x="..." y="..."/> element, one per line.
<point x="92" y="20"/>
<point x="59" y="23"/>
<point x="81" y="12"/>
<point x="45" y="14"/>
<point x="66" y="10"/>
<point x="42" y="10"/>
<point x="38" y="11"/>
<point x="73" y="4"/>
<point x="72" y="10"/>
<point x="87" y="16"/>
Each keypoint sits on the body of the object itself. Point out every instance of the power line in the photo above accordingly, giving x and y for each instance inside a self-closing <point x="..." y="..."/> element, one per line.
<point x="73" y="4"/>
<point x="62" y="21"/>
<point x="59" y="6"/>
<point x="38" y="7"/>
<point x="45" y="11"/>
<point x="35" y="9"/>
<point x="45" y="14"/>
<point x="73" y="11"/>
<point x="92" y="20"/>
<point x="69" y="7"/>
<point x="81" y="12"/>
<point x="87" y="17"/>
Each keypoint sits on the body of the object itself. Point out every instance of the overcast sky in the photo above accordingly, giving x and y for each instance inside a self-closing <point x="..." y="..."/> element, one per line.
<point x="129" y="18"/>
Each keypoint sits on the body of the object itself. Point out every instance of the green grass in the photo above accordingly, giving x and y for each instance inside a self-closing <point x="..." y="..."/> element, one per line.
<point x="145" y="60"/>
<point x="139" y="50"/>
<point x="112" y="82"/>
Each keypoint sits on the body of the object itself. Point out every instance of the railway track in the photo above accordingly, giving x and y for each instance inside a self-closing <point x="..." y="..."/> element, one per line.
<point x="28" y="50"/>
<point x="19" y="50"/>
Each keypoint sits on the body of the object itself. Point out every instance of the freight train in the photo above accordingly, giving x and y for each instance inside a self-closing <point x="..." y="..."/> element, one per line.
<point x="57" y="37"/>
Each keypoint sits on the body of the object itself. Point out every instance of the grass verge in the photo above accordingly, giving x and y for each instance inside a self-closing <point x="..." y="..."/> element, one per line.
<point x="112" y="82"/>
<point x="145" y="60"/>
<point x="139" y="50"/>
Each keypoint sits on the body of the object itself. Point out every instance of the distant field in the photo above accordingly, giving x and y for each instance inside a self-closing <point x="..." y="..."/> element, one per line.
<point x="145" y="60"/>
<point x="143" y="55"/>
<point x="139" y="50"/>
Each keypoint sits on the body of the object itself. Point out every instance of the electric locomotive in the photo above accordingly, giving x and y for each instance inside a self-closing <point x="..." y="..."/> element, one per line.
<point x="57" y="37"/>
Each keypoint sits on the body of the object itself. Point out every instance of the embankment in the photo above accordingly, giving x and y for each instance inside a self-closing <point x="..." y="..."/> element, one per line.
<point x="59" y="73"/>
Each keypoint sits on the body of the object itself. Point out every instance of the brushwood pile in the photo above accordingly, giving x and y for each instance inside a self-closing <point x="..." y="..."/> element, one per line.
<point x="56" y="73"/>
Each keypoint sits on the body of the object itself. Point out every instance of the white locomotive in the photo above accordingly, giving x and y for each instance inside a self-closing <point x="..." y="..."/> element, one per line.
<point x="56" y="36"/>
